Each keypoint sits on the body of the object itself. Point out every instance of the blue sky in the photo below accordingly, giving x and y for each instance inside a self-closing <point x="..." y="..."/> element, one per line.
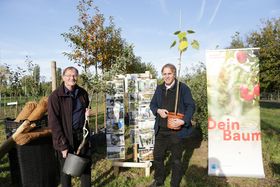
<point x="34" y="27"/>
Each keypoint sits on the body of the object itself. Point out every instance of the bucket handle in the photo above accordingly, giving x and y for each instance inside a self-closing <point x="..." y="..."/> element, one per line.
<point x="85" y="134"/>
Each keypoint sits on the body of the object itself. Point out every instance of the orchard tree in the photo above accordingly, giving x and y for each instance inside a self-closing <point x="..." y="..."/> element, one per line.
<point x="196" y="80"/>
<point x="151" y="68"/>
<point x="93" y="44"/>
<point x="237" y="42"/>
<point x="31" y="80"/>
<point x="36" y="74"/>
<point x="15" y="76"/>
<point x="97" y="45"/>
<point x="4" y="74"/>
<point x="268" y="39"/>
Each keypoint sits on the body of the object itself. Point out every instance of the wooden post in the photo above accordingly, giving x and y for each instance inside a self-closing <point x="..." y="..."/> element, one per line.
<point x="135" y="152"/>
<point x="53" y="70"/>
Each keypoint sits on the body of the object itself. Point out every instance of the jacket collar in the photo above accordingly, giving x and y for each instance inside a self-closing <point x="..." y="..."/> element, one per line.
<point x="62" y="92"/>
<point x="173" y="88"/>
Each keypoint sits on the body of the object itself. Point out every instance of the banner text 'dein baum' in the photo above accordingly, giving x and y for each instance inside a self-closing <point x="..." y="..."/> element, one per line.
<point x="231" y="130"/>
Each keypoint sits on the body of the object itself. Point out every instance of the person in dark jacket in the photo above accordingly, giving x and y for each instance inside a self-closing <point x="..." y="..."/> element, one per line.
<point x="170" y="137"/>
<point x="67" y="107"/>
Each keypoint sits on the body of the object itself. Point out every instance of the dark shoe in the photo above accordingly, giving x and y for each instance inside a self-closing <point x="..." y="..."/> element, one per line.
<point x="156" y="184"/>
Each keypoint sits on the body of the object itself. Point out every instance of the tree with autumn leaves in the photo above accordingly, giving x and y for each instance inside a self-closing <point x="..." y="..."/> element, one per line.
<point x="101" y="46"/>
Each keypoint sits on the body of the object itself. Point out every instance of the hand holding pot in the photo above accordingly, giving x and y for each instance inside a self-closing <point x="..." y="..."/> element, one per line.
<point x="175" y="123"/>
<point x="64" y="153"/>
<point x="162" y="112"/>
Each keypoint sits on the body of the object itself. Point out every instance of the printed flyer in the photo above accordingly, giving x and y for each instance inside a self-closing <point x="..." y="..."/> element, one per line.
<point x="140" y="89"/>
<point x="115" y="120"/>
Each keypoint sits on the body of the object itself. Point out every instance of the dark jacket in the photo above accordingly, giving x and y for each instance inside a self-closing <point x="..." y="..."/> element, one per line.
<point x="186" y="106"/>
<point x="60" y="116"/>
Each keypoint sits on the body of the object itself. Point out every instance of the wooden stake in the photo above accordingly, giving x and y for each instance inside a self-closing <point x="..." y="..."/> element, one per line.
<point x="53" y="70"/>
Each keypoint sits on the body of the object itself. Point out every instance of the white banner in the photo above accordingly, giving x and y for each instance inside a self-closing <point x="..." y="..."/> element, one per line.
<point x="234" y="136"/>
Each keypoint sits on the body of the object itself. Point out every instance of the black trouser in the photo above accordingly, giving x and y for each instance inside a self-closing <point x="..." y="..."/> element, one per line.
<point x="85" y="152"/>
<point x="168" y="140"/>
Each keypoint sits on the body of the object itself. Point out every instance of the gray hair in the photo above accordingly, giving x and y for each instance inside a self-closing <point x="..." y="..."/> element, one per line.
<point x="70" y="68"/>
<point x="171" y="66"/>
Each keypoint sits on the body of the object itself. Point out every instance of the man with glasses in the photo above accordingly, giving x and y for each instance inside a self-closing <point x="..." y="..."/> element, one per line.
<point x="170" y="137"/>
<point x="67" y="110"/>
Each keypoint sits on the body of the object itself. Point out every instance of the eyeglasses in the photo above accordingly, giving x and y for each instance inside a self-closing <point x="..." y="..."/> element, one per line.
<point x="69" y="76"/>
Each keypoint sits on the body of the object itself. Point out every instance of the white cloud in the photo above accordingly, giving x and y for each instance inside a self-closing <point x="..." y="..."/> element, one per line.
<point x="215" y="12"/>
<point x="201" y="12"/>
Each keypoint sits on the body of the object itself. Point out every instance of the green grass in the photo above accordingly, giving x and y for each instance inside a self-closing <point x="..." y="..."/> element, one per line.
<point x="194" y="161"/>
<point x="4" y="162"/>
<point x="270" y="113"/>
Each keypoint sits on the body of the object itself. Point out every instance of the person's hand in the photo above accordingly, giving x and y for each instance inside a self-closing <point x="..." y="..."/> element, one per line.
<point x="162" y="112"/>
<point x="88" y="113"/>
<point x="178" y="122"/>
<point x="64" y="153"/>
<point x="175" y="123"/>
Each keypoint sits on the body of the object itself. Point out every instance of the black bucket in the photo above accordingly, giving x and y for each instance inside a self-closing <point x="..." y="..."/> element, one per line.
<point x="74" y="165"/>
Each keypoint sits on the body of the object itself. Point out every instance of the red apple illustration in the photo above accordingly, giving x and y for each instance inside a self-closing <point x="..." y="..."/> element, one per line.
<point x="243" y="91"/>
<point x="257" y="90"/>
<point x="249" y="97"/>
<point x="241" y="57"/>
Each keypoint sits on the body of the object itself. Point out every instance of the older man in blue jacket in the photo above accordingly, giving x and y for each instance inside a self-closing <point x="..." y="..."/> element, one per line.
<point x="170" y="137"/>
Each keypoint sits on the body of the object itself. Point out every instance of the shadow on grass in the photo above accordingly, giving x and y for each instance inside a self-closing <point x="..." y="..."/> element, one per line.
<point x="195" y="175"/>
<point x="98" y="150"/>
<point x="99" y="182"/>
<point x="275" y="168"/>
<point x="198" y="176"/>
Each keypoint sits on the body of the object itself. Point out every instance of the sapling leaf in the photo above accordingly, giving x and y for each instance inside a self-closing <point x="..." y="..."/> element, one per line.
<point x="177" y="32"/>
<point x="173" y="44"/>
<point x="183" y="45"/>
<point x="190" y="31"/>
<point x="195" y="44"/>
<point x="182" y="35"/>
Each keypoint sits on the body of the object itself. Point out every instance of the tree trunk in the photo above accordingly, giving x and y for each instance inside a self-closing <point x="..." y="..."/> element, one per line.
<point x="96" y="105"/>
<point x="96" y="112"/>
<point x="104" y="108"/>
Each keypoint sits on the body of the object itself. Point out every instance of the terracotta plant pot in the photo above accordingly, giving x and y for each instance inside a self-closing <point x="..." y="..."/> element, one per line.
<point x="171" y="116"/>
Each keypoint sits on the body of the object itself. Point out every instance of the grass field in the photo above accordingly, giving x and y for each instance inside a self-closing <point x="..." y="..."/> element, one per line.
<point x="194" y="161"/>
